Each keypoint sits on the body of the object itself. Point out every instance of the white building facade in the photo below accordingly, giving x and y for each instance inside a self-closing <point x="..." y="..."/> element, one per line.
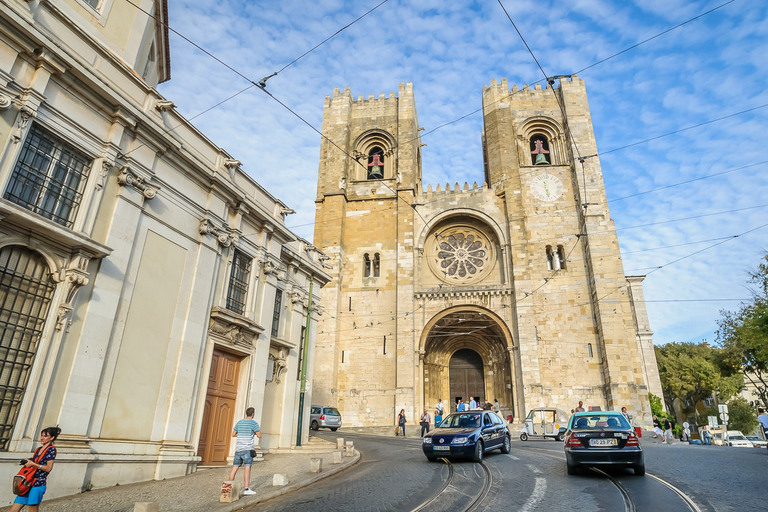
<point x="149" y="289"/>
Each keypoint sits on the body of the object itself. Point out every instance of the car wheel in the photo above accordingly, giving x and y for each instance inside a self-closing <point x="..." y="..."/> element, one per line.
<point x="334" y="429"/>
<point x="559" y="437"/>
<point x="572" y="470"/>
<point x="314" y="426"/>
<point x="479" y="451"/>
<point x="523" y="436"/>
<point x="506" y="445"/>
<point x="639" y="470"/>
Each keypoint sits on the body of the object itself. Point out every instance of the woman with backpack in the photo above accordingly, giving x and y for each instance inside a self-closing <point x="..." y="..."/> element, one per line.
<point x="42" y="461"/>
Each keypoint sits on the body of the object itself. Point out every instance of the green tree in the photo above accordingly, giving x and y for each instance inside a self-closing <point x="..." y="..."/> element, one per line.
<point x="743" y="334"/>
<point x="741" y="416"/>
<point x="656" y="408"/>
<point x="691" y="372"/>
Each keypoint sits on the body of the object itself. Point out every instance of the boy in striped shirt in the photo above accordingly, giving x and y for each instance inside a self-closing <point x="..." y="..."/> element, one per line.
<point x="244" y="430"/>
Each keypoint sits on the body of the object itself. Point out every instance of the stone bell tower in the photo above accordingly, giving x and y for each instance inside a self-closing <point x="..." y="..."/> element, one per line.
<point x="540" y="154"/>
<point x="368" y="178"/>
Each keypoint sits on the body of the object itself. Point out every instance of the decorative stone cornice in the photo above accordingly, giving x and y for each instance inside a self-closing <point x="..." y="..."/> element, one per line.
<point x="223" y="235"/>
<point x="5" y="102"/>
<point x="272" y="269"/>
<point x="72" y="279"/>
<point x="230" y="327"/>
<point x="25" y="114"/>
<point x="126" y="177"/>
<point x="164" y="105"/>
<point x="458" y="293"/>
<point x="280" y="365"/>
<point x="106" y="165"/>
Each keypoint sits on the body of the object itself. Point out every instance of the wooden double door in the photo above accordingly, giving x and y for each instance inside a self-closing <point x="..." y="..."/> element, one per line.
<point x="465" y="370"/>
<point x="219" y="411"/>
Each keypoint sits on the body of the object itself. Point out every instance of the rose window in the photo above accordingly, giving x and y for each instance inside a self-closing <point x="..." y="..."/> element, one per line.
<point x="461" y="255"/>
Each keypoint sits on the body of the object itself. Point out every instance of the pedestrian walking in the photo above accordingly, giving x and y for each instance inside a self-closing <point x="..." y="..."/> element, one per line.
<point x="496" y="406"/>
<point x="401" y="421"/>
<point x="245" y="430"/>
<point x="439" y="406"/>
<point x="667" y="431"/>
<point x="42" y="460"/>
<point x="657" y="427"/>
<point x="580" y="408"/>
<point x="424" y="422"/>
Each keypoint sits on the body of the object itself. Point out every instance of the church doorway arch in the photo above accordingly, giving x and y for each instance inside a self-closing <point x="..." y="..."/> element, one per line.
<point x="465" y="374"/>
<point x="468" y="351"/>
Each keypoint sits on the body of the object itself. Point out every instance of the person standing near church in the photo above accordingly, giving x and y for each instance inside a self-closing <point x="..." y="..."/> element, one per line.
<point x="439" y="407"/>
<point x="438" y="417"/>
<point x="460" y="406"/>
<point x="245" y="430"/>
<point x="424" y="422"/>
<point x="401" y="421"/>
<point x="496" y="406"/>
<point x="472" y="403"/>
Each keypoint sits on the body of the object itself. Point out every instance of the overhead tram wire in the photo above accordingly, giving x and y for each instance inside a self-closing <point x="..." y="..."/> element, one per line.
<point x="262" y="82"/>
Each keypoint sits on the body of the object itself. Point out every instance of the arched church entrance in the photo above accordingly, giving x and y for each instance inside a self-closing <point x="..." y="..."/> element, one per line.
<point x="468" y="352"/>
<point x="465" y="373"/>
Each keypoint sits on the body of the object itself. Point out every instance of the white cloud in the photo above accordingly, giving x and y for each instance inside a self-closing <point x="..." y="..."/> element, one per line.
<point x="711" y="67"/>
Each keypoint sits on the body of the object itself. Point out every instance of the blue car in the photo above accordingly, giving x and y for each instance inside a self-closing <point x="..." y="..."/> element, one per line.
<point x="467" y="434"/>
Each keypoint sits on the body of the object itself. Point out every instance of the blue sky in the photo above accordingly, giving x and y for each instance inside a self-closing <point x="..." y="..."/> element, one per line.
<point x="707" y="69"/>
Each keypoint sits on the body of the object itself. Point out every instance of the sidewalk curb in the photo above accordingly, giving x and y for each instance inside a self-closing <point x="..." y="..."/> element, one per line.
<point x="240" y="504"/>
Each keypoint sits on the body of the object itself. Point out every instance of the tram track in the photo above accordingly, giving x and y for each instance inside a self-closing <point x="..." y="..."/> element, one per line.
<point x="439" y="496"/>
<point x="629" y="505"/>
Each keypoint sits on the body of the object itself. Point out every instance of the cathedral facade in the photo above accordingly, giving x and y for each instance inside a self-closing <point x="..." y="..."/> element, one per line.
<point x="511" y="290"/>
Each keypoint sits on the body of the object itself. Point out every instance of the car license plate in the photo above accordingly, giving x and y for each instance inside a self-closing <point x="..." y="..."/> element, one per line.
<point x="602" y="442"/>
<point x="442" y="448"/>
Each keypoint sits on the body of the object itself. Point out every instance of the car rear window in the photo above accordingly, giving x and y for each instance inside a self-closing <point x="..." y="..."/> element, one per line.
<point x="332" y="411"/>
<point x="606" y="421"/>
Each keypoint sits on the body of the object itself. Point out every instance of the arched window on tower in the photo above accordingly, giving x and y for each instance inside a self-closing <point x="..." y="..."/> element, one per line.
<point x="561" y="256"/>
<point x="376" y="265"/>
<point x="540" y="154"/>
<point x="366" y="265"/>
<point x="550" y="258"/>
<point x="589" y="349"/>
<point x="376" y="163"/>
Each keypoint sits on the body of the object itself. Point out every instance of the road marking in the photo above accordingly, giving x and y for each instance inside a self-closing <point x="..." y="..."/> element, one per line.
<point x="534" y="469"/>
<point x="513" y="457"/>
<point x="688" y="501"/>
<point x="538" y="494"/>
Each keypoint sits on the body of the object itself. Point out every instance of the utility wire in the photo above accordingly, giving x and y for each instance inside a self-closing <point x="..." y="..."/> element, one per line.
<point x="693" y="217"/>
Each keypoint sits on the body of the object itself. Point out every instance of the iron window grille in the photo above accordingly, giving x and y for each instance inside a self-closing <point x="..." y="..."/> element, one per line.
<point x="276" y="312"/>
<point x="48" y="178"/>
<point x="25" y="296"/>
<point x="238" y="283"/>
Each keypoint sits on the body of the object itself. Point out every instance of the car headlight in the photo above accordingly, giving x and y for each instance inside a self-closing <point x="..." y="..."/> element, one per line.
<point x="427" y="440"/>
<point x="460" y="440"/>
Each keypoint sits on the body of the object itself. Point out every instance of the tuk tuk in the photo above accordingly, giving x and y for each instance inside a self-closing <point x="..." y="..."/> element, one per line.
<point x="543" y="423"/>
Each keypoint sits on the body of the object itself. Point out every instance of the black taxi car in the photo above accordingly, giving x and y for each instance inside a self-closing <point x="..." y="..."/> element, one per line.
<point x="602" y="438"/>
<point x="467" y="434"/>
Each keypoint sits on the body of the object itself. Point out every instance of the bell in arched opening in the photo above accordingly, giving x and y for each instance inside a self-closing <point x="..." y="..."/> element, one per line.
<point x="376" y="164"/>
<point x="540" y="148"/>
